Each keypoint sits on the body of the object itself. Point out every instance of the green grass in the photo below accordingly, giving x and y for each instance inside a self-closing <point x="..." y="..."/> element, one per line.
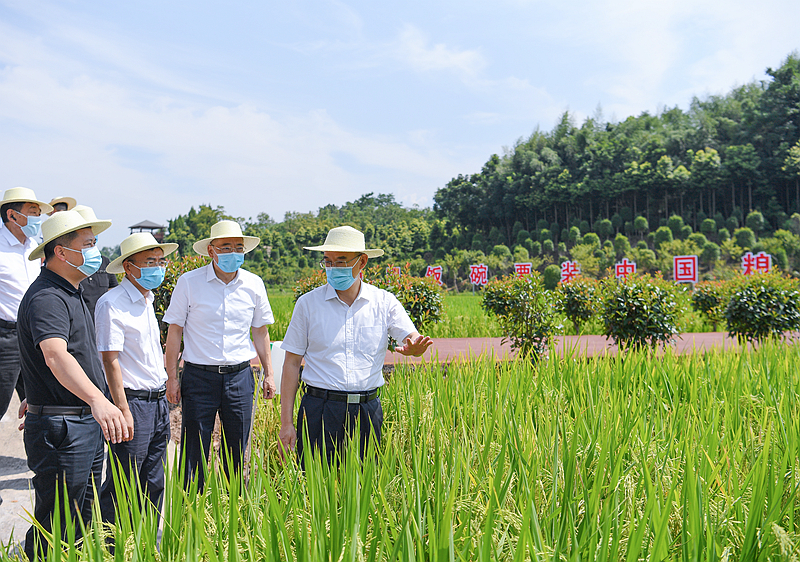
<point x="638" y="458"/>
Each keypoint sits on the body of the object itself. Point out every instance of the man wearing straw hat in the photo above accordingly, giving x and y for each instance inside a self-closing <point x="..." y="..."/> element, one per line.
<point x="68" y="412"/>
<point x="342" y="331"/>
<point x="128" y="339"/>
<point x="214" y="309"/>
<point x="21" y="212"/>
<point x="62" y="204"/>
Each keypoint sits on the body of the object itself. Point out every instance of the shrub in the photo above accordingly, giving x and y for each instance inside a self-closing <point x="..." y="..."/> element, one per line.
<point x="604" y="228"/>
<point x="501" y="251"/>
<point x="755" y="221"/>
<point x="547" y="246"/>
<point x="763" y="305"/>
<point x="675" y="224"/>
<point x="709" y="227"/>
<point x="523" y="311"/>
<point x="723" y="234"/>
<point x="642" y="311"/>
<point x="640" y="224"/>
<point x="744" y="238"/>
<point x="686" y="231"/>
<point x="551" y="276"/>
<point x="710" y="253"/>
<point x="592" y="239"/>
<point x="710" y="298"/>
<point x="420" y="296"/>
<point x="534" y="248"/>
<point x="163" y="295"/>
<point x="663" y="234"/>
<point x="578" y="300"/>
<point x="621" y="244"/>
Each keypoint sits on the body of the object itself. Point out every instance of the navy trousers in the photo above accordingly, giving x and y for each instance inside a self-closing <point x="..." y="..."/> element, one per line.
<point x="144" y="456"/>
<point x="330" y="423"/>
<point x="9" y="368"/>
<point x="203" y="394"/>
<point x="62" y="451"/>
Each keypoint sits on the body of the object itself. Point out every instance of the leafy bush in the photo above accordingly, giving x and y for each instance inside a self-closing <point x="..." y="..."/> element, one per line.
<point x="163" y="295"/>
<point x="578" y="300"/>
<point x="744" y="238"/>
<point x="663" y="235"/>
<point x="420" y="296"/>
<point x="523" y="310"/>
<point x="551" y="276"/>
<point x="642" y="311"/>
<point x="763" y="305"/>
<point x="710" y="298"/>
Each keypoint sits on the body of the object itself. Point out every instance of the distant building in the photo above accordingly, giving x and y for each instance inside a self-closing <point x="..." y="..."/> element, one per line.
<point x="157" y="230"/>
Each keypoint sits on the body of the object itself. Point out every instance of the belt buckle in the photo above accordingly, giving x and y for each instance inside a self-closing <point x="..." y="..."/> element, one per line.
<point x="219" y="369"/>
<point x="354" y="399"/>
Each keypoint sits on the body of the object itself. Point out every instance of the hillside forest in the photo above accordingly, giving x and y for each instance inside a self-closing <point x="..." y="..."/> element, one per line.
<point x="715" y="180"/>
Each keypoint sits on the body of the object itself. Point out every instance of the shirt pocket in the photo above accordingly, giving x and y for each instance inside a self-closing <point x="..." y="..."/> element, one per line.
<point x="370" y="343"/>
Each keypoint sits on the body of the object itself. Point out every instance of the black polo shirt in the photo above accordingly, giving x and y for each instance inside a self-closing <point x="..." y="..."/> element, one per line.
<point x="53" y="308"/>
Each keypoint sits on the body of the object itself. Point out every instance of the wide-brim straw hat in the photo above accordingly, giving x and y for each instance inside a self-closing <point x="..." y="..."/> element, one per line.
<point x="225" y="229"/>
<point x="24" y="195"/>
<point x="135" y="243"/>
<point x="86" y="212"/>
<point x="346" y="239"/>
<point x="70" y="202"/>
<point x="64" y="223"/>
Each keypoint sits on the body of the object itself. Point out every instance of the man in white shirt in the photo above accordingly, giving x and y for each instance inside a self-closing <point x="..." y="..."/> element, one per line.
<point x="22" y="217"/>
<point x="128" y="340"/>
<point x="214" y="309"/>
<point x="342" y="330"/>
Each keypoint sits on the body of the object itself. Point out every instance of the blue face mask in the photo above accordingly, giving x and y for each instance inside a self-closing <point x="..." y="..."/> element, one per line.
<point x="340" y="278"/>
<point x="32" y="228"/>
<point x="92" y="260"/>
<point x="229" y="263"/>
<point x="151" y="277"/>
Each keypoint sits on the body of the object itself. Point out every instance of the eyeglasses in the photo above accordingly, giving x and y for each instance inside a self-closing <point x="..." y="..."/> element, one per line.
<point x="340" y="263"/>
<point x="154" y="263"/>
<point x="228" y="248"/>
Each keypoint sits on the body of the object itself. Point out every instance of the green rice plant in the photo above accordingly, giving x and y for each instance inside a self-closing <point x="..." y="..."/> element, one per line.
<point x="637" y="458"/>
<point x="464" y="318"/>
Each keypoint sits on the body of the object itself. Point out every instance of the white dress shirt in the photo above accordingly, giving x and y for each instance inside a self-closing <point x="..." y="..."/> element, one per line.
<point x="216" y="318"/>
<point x="16" y="272"/>
<point x="344" y="346"/>
<point x="126" y="322"/>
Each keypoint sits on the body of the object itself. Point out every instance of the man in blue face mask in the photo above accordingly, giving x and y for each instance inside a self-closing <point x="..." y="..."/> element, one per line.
<point x="214" y="310"/>
<point x="69" y="415"/>
<point x="129" y="341"/>
<point x="22" y="215"/>
<point x="342" y="330"/>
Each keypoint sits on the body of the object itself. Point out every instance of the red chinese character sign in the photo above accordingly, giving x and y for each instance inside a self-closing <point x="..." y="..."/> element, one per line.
<point x="624" y="268"/>
<point x="479" y="274"/>
<point x="434" y="271"/>
<point x="684" y="269"/>
<point x="569" y="271"/>
<point x="523" y="268"/>
<point x="758" y="263"/>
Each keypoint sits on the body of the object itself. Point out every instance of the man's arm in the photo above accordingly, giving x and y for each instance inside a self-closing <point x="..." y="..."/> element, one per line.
<point x="69" y="373"/>
<point x="414" y="344"/>
<point x="290" y="381"/>
<point x="261" y="343"/>
<point x="114" y="378"/>
<point x="174" y="337"/>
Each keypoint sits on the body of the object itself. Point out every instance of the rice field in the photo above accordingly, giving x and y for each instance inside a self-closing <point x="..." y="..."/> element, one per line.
<point x="637" y="458"/>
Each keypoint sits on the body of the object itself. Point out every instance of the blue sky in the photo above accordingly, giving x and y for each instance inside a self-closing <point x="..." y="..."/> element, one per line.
<point x="143" y="109"/>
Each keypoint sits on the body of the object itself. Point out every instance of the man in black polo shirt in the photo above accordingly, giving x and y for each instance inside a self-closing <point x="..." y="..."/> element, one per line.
<point x="68" y="411"/>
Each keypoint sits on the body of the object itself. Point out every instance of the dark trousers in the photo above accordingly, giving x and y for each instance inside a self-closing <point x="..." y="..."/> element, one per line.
<point x="203" y="395"/>
<point x="330" y="423"/>
<point x="9" y="368"/>
<point x="63" y="451"/>
<point x="144" y="456"/>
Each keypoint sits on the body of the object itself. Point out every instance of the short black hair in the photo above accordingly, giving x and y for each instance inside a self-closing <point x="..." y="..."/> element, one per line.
<point x="61" y="207"/>
<point x="63" y="240"/>
<point x="16" y="206"/>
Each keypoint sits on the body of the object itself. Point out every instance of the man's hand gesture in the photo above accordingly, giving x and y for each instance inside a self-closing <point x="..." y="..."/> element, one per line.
<point x="415" y="345"/>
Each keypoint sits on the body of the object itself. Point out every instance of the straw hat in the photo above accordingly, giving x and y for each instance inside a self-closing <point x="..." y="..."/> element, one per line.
<point x="346" y="239"/>
<point x="68" y="201"/>
<point x="64" y="223"/>
<point x="86" y="212"/>
<point x="135" y="243"/>
<point x="225" y="229"/>
<point x="24" y="195"/>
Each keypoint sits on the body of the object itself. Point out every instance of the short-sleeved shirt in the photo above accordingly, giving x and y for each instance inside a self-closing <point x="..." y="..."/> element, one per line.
<point x="216" y="317"/>
<point x="126" y="322"/>
<point x="345" y="346"/>
<point x="97" y="285"/>
<point x="17" y="272"/>
<point x="53" y="308"/>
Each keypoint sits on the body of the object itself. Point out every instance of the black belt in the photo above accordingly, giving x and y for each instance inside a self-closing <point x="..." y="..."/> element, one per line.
<point x="221" y="369"/>
<point x="338" y="396"/>
<point x="156" y="394"/>
<point x="8" y="325"/>
<point x="59" y="410"/>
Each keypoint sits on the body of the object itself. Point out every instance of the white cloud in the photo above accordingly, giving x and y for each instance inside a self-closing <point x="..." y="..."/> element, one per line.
<point x="413" y="48"/>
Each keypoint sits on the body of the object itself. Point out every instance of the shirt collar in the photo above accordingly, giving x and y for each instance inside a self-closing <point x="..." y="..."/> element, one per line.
<point x="211" y="275"/>
<point x="134" y="293"/>
<point x="56" y="279"/>
<point x="363" y="293"/>
<point x="9" y="236"/>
